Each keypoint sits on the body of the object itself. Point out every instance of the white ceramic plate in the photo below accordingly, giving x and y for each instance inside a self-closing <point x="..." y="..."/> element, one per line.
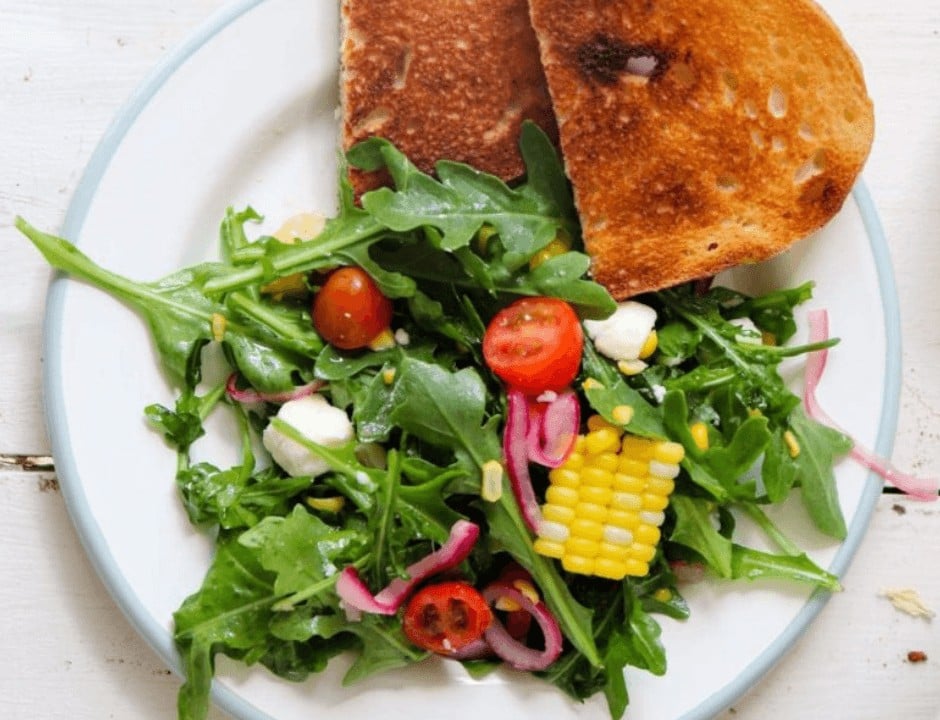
<point x="244" y="113"/>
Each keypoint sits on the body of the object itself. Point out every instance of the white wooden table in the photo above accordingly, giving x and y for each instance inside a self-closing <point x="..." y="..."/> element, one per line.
<point x="66" y="650"/>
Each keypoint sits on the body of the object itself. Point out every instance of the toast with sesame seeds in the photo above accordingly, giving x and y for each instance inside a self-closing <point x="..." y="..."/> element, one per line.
<point x="442" y="80"/>
<point x="700" y="136"/>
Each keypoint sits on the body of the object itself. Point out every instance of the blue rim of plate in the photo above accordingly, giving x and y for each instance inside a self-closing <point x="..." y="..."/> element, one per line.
<point x="97" y="548"/>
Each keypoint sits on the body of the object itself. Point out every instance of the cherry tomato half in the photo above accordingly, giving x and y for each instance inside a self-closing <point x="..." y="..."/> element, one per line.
<point x="446" y="616"/>
<point x="534" y="344"/>
<point x="349" y="311"/>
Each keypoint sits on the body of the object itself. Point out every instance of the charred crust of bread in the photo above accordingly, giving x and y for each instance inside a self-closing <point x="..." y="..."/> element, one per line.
<point x="746" y="136"/>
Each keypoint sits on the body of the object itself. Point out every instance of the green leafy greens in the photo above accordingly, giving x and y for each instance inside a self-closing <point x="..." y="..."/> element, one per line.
<point x="450" y="250"/>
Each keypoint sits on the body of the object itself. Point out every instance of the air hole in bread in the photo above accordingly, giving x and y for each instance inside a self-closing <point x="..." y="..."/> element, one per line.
<point x="805" y="131"/>
<point x="401" y="74"/>
<point x="712" y="246"/>
<point x="757" y="138"/>
<point x="643" y="66"/>
<point x="811" y="168"/>
<point x="777" y="102"/>
<point x="750" y="109"/>
<point x="778" y="144"/>
<point x="727" y="183"/>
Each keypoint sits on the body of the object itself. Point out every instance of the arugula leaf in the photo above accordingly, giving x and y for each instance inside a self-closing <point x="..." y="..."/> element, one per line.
<point x="695" y="529"/>
<point x="753" y="564"/>
<point x="819" y="446"/>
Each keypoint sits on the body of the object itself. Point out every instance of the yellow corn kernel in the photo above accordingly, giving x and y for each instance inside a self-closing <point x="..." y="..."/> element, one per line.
<point x="663" y="595"/>
<point x="605" y="461"/>
<point x="649" y="347"/>
<point x="592" y="384"/>
<point x="668" y="452"/>
<point x="591" y="511"/>
<point x="597" y="477"/>
<point x="624" y="519"/>
<point x="559" y="513"/>
<point x="768" y="338"/>
<point x="549" y="548"/>
<point x="565" y="477"/>
<point x="631" y="367"/>
<point x="597" y="422"/>
<point x="623" y="414"/>
<point x="327" y="504"/>
<point x="612" y="551"/>
<point x="575" y="461"/>
<point x="558" y="246"/>
<point x="629" y="466"/>
<point x="293" y="285"/>
<point x="602" y="440"/>
<point x="582" y="546"/>
<point x="491" y="483"/>
<point x="647" y="534"/>
<point x="626" y="501"/>
<point x="554" y="531"/>
<point x="580" y="445"/>
<point x="793" y="445"/>
<point x="578" y="564"/>
<point x="388" y="376"/>
<point x="660" y="485"/>
<point x="636" y="568"/>
<point x="595" y="495"/>
<point x="617" y="536"/>
<point x="699" y="432"/>
<point x="218" y="326"/>
<point x="383" y="341"/>
<point x="643" y="553"/>
<point x="527" y="589"/>
<point x="610" y="569"/>
<point x="636" y="447"/>
<point x="557" y="495"/>
<point x="628" y="483"/>
<point x="654" y="502"/>
<point x="587" y="529"/>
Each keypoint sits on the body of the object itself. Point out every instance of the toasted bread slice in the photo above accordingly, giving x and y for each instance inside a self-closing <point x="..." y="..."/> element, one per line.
<point x="700" y="135"/>
<point x="442" y="80"/>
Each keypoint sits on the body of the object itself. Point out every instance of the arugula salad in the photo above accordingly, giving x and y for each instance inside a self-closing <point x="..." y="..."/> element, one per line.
<point x="463" y="463"/>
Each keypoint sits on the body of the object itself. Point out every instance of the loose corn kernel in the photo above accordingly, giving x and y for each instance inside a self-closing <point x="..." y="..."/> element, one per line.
<point x="327" y="504"/>
<point x="623" y="414"/>
<point x="649" y="347"/>
<point x="631" y="367"/>
<point x="388" y="376"/>
<point x="491" y="483"/>
<point x="303" y="226"/>
<point x="218" y="326"/>
<point x="383" y="341"/>
<point x="592" y="384"/>
<point x="793" y="445"/>
<point x="575" y="461"/>
<point x="560" y="245"/>
<point x="603" y="511"/>
<point x="699" y="432"/>
<point x="663" y="595"/>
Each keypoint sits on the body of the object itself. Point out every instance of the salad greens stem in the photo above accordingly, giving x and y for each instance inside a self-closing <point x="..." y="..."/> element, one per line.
<point x="339" y="234"/>
<point x="315" y="589"/>
<point x="756" y="513"/>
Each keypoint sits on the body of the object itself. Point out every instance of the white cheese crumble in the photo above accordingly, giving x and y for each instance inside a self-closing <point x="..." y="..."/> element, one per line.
<point x="316" y="419"/>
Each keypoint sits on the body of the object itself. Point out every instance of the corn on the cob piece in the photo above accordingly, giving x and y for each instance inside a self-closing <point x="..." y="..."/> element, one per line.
<point x="605" y="504"/>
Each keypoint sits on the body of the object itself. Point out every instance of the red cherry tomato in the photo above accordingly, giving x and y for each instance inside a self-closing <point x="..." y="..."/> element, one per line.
<point x="446" y="617"/>
<point x="349" y="311"/>
<point x="535" y="344"/>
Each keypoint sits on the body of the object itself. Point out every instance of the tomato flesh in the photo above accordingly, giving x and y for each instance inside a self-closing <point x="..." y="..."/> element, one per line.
<point x="349" y="311"/>
<point x="535" y="344"/>
<point x="446" y="617"/>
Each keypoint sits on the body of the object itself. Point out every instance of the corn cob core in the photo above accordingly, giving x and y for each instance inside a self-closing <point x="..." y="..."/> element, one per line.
<point x="605" y="504"/>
